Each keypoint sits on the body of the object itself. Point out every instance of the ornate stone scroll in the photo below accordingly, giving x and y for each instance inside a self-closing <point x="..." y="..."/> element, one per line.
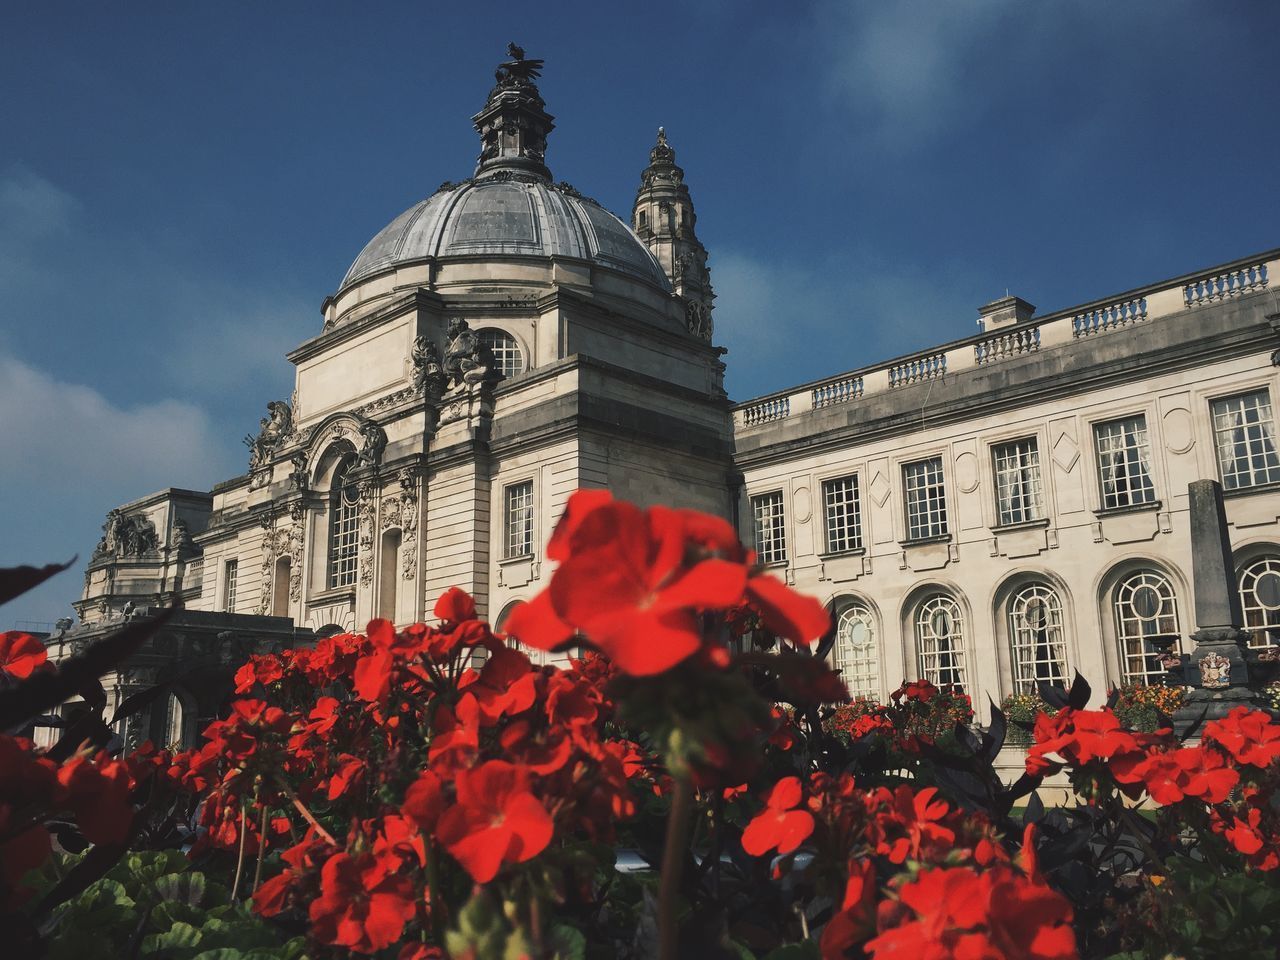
<point x="409" y="523"/>
<point x="366" y="533"/>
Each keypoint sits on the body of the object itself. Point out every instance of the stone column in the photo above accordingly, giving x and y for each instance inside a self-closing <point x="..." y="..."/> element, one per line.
<point x="1218" y="668"/>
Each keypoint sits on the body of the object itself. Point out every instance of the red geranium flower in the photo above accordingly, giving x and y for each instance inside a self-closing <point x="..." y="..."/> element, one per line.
<point x="496" y="820"/>
<point x="20" y="654"/>
<point x="362" y="905"/>
<point x="1187" y="772"/>
<point x="856" y="920"/>
<point x="1250" y="736"/>
<point x="780" y="824"/>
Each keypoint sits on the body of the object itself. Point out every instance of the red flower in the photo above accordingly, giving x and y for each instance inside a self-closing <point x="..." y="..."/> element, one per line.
<point x="264" y="669"/>
<point x="424" y="801"/>
<point x="780" y="824"/>
<point x="634" y="582"/>
<point x="909" y="823"/>
<point x="98" y="795"/>
<point x="958" y="914"/>
<point x="496" y="820"/>
<point x="362" y="904"/>
<point x="1187" y="772"/>
<point x="1250" y="736"/>
<point x="856" y="920"/>
<point x="455" y="606"/>
<point x="20" y="654"/>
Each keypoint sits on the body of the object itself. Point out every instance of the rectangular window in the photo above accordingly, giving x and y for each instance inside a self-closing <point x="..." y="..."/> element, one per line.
<point x="229" y="586"/>
<point x="770" y="527"/>
<point x="344" y="534"/>
<point x="1245" y="438"/>
<point x="517" y="513"/>
<point x="844" y="518"/>
<point x="926" y="499"/>
<point x="1019" y="497"/>
<point x="1124" y="462"/>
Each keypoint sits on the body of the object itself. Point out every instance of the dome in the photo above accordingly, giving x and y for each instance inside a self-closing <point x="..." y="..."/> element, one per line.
<point x="503" y="216"/>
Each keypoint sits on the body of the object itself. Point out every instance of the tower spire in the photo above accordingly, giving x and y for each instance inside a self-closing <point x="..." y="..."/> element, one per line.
<point x="514" y="125"/>
<point x="664" y="219"/>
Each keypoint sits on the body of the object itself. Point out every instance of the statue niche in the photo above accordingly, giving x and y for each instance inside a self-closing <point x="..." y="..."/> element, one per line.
<point x="375" y="442"/>
<point x="429" y="378"/>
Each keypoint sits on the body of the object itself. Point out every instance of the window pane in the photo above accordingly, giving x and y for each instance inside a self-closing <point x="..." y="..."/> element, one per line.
<point x="1124" y="457"/>
<point x="855" y="654"/>
<point x="344" y="530"/>
<point x="508" y="359"/>
<point x="1145" y="607"/>
<point x="926" y="499"/>
<point x="518" y="519"/>
<point x="1244" y="435"/>
<point x="940" y="641"/>
<point x="770" y="527"/>
<point x="1018" y="490"/>
<point x="232" y="574"/>
<point x="1260" y="598"/>
<point x="1036" y="636"/>
<point x="844" y="520"/>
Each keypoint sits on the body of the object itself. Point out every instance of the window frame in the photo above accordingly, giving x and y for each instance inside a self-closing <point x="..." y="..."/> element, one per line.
<point x="1262" y="621"/>
<point x="1152" y="501"/>
<point x="1121" y="636"/>
<point x="508" y="519"/>
<point x="928" y="662"/>
<point x="342" y="553"/>
<point x="1024" y="681"/>
<point x="910" y="535"/>
<point x="781" y="517"/>
<point x="230" y="584"/>
<point x="1254" y="390"/>
<point x="857" y="541"/>
<point x="861" y="683"/>
<point x="1040" y="508"/>
<point x="520" y="352"/>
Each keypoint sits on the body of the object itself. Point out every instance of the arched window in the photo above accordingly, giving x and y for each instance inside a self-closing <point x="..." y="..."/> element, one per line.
<point x="1260" y="598"/>
<point x="344" y="527"/>
<point x="854" y="653"/>
<point x="1146" y="608"/>
<point x="1037" y="640"/>
<point x="508" y="358"/>
<point x="939" y="631"/>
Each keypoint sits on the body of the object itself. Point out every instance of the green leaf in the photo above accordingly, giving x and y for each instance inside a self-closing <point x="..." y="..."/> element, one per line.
<point x="180" y="939"/>
<point x="795" y="951"/>
<point x="567" y="943"/>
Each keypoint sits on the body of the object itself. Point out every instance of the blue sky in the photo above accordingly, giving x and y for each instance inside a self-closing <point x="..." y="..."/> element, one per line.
<point x="182" y="184"/>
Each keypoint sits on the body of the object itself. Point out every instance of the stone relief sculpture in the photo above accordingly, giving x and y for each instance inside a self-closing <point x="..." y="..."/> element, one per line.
<point x="466" y="361"/>
<point x="429" y="378"/>
<point x="298" y="476"/>
<point x="181" y="535"/>
<point x="272" y="429"/>
<point x="517" y="71"/>
<point x="126" y="535"/>
<point x="375" y="442"/>
<point x="409" y="523"/>
<point x="366" y="534"/>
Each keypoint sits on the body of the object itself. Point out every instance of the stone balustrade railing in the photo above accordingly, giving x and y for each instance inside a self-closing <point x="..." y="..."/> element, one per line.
<point x="837" y="391"/>
<point x="1005" y="345"/>
<point x="1098" y="318"/>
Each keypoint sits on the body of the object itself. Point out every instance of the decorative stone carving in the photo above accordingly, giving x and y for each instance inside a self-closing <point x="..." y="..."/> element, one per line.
<point x="272" y="429"/>
<point x="390" y="512"/>
<point x="298" y="478"/>
<point x="466" y="361"/>
<point x="366" y="533"/>
<point x="375" y="442"/>
<point x="409" y="523"/>
<point x="1215" y="671"/>
<point x="181" y="538"/>
<point x="126" y="535"/>
<point x="297" y="535"/>
<point x="429" y="378"/>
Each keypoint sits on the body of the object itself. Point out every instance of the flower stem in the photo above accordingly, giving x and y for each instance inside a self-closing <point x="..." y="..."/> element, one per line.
<point x="307" y="814"/>
<point x="235" y="885"/>
<point x="672" y="864"/>
<point x="262" y="846"/>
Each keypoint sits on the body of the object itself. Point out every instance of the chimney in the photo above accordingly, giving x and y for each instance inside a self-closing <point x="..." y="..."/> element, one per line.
<point x="1004" y="312"/>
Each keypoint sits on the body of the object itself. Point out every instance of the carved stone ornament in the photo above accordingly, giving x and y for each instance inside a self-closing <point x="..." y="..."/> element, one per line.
<point x="181" y="535"/>
<point x="127" y="535"/>
<point x="1215" y="671"/>
<point x="409" y="523"/>
<point x="375" y="442"/>
<point x="466" y="361"/>
<point x="366" y="534"/>
<point x="390" y="512"/>
<point x="429" y="378"/>
<point x="298" y="477"/>
<point x="272" y="429"/>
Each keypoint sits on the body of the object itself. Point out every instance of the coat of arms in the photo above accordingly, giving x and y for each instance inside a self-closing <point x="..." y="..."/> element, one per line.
<point x="1215" y="671"/>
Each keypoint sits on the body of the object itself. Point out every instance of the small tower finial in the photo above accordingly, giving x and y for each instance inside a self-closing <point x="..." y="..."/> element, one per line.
<point x="514" y="125"/>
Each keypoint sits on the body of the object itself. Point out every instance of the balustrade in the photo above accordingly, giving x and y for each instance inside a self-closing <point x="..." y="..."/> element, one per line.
<point x="1109" y="317"/>
<point x="1224" y="286"/>
<point x="837" y="391"/>
<point x="918" y="370"/>
<point x="775" y="409"/>
<point x="1013" y="343"/>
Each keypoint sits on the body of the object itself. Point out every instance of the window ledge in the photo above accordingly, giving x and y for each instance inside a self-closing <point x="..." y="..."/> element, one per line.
<point x="772" y="564"/>
<point x="922" y="541"/>
<point x="1132" y="508"/>
<point x="1246" y="491"/>
<point x="1020" y="525"/>
<point x="837" y="554"/>
<point x="333" y="595"/>
<point x="518" y="558"/>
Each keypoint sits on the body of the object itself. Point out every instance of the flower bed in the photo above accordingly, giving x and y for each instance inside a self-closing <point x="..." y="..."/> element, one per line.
<point x="379" y="795"/>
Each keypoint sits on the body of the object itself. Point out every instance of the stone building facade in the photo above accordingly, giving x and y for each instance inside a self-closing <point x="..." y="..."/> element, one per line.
<point x="1005" y="507"/>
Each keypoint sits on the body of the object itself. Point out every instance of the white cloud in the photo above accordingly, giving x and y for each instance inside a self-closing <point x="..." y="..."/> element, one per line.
<point x="31" y="206"/>
<point x="70" y="455"/>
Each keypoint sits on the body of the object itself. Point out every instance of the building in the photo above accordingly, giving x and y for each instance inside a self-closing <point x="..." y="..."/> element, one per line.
<point x="1007" y="507"/>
